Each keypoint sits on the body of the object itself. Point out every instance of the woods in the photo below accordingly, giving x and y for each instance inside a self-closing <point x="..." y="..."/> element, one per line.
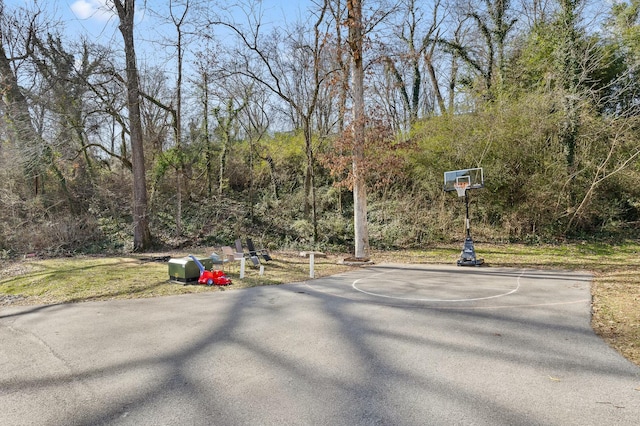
<point x="196" y="122"/>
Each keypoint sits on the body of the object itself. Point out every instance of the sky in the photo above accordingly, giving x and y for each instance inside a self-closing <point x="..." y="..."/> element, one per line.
<point x="97" y="18"/>
<point x="98" y="21"/>
<point x="90" y="10"/>
<point x="91" y="17"/>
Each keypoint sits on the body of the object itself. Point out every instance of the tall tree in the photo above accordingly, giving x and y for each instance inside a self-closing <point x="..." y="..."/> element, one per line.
<point x="61" y="99"/>
<point x="568" y="66"/>
<point x="355" y="42"/>
<point x="14" y="103"/>
<point x="178" y="12"/>
<point x="226" y="121"/>
<point x="141" y="232"/>
<point x="292" y="67"/>
<point x="487" y="58"/>
<point x="338" y="11"/>
<point x="624" y="42"/>
<point x="254" y="122"/>
<point x="418" y="45"/>
<point x="203" y="67"/>
<point x="178" y="18"/>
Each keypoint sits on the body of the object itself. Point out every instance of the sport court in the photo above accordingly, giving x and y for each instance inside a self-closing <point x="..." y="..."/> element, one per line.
<point x="388" y="344"/>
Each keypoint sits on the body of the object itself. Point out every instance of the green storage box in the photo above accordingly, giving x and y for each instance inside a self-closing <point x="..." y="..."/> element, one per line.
<point x="185" y="269"/>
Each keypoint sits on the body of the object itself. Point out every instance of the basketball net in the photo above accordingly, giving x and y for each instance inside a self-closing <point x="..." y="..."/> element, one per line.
<point x="461" y="188"/>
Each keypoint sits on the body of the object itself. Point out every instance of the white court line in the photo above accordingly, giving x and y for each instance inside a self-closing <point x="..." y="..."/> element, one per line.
<point x="432" y="300"/>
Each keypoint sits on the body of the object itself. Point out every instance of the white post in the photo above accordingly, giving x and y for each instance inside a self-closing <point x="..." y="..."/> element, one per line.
<point x="242" y="264"/>
<point x="261" y="270"/>
<point x="311" y="265"/>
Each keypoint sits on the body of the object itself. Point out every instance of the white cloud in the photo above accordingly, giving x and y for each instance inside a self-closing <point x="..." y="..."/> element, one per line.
<point x="92" y="9"/>
<point x="82" y="9"/>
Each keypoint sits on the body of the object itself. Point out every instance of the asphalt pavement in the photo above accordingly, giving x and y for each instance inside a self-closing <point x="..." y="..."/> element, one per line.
<point x="383" y="345"/>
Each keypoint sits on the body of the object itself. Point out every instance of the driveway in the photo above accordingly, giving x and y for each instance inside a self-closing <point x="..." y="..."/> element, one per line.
<point x="389" y="345"/>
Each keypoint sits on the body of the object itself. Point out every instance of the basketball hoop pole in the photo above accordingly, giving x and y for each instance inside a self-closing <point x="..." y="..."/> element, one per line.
<point x="468" y="255"/>
<point x="461" y="189"/>
<point x="466" y="203"/>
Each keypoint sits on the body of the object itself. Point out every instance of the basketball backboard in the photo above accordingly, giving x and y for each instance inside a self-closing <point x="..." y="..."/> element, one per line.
<point x="473" y="177"/>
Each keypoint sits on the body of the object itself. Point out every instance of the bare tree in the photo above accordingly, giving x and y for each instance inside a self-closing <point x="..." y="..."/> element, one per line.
<point x="181" y="18"/>
<point x="203" y="67"/>
<point x="418" y="45"/>
<point x="295" y="76"/>
<point x="338" y="12"/>
<point x="141" y="233"/>
<point x="19" y="36"/>
<point x="486" y="56"/>
<point x="569" y="73"/>
<point x="178" y="20"/>
<point x="536" y="11"/>
<point x="254" y="121"/>
<point x="226" y="119"/>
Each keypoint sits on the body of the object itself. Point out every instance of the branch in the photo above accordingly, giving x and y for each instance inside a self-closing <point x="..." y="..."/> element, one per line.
<point x="461" y="52"/>
<point x="123" y="159"/>
<point x="253" y="46"/>
<point x="600" y="172"/>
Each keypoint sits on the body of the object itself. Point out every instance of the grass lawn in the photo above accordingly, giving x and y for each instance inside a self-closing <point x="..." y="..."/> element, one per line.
<point x="615" y="290"/>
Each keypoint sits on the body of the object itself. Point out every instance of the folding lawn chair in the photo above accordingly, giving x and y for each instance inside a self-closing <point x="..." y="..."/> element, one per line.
<point x="260" y="252"/>
<point x="240" y="250"/>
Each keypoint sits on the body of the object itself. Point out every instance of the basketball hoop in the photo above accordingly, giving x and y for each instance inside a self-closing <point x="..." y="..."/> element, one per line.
<point x="462" y="181"/>
<point x="461" y="187"/>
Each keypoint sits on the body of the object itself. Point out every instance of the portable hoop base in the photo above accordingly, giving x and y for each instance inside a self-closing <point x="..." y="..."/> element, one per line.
<point x="468" y="255"/>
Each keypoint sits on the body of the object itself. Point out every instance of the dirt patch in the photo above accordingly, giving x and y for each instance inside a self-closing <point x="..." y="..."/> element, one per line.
<point x="15" y="269"/>
<point x="10" y="299"/>
<point x="616" y="313"/>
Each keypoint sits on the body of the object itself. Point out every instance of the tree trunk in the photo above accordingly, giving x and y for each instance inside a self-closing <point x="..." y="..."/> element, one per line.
<point x="361" y="232"/>
<point x="569" y="79"/>
<point x="225" y="128"/>
<point x="428" y="58"/>
<point x="222" y="163"/>
<point x="178" y="21"/>
<point x="205" y="132"/>
<point x="141" y="233"/>
<point x="343" y="67"/>
<point x="17" y="114"/>
<point x="309" y="179"/>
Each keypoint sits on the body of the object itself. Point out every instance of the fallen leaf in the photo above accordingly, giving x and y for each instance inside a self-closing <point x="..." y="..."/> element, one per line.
<point x="555" y="379"/>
